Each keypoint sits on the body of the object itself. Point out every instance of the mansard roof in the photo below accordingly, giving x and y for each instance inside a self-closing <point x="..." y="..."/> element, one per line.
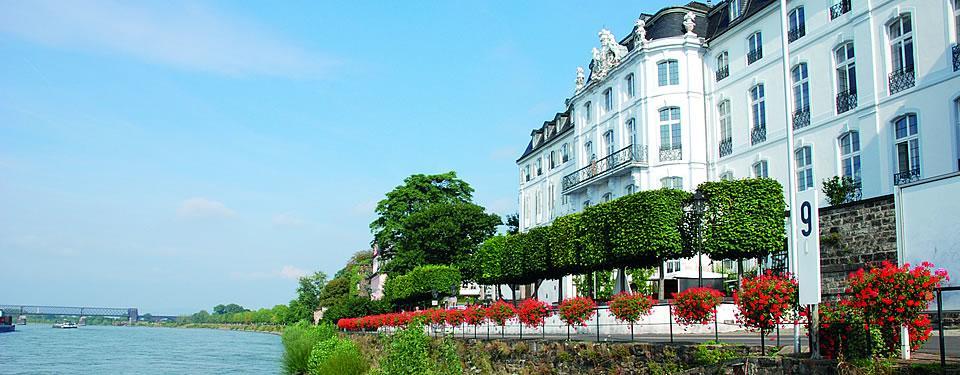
<point x="549" y="131"/>
<point x="668" y="23"/>
<point x="719" y="16"/>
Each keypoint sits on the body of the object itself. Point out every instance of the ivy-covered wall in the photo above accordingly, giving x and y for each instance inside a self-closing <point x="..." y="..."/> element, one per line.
<point x="854" y="235"/>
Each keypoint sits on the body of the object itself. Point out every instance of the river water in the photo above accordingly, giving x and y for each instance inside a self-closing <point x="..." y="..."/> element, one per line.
<point x="40" y="349"/>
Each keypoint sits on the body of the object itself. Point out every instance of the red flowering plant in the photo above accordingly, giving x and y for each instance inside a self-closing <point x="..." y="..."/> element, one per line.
<point x="437" y="316"/>
<point x="474" y="315"/>
<point x="765" y="300"/>
<point x="347" y="324"/>
<point x="500" y="312"/>
<point x="843" y="332"/>
<point x="533" y="312"/>
<point x="631" y="307"/>
<point x="577" y="310"/>
<point x="696" y="305"/>
<point x="454" y="317"/>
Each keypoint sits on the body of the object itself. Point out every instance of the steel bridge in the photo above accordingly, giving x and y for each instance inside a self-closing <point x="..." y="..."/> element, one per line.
<point x="131" y="314"/>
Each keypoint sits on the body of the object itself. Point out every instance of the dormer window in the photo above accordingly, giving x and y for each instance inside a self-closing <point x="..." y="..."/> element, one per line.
<point x="734" y="9"/>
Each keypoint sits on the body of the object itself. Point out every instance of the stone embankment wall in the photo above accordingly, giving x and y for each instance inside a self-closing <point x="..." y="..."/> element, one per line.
<point x="855" y="235"/>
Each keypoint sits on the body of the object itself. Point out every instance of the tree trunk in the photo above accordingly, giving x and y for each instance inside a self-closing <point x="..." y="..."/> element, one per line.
<point x="661" y="286"/>
<point x="593" y="285"/>
<point x="498" y="293"/>
<point x="559" y="290"/>
<point x="536" y="288"/>
<point x="513" y="292"/>
<point x="739" y="272"/>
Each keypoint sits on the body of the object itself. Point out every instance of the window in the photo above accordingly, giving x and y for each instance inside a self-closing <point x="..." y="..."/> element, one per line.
<point x="726" y="176"/>
<point x="553" y="159"/>
<point x="536" y="207"/>
<point x="670" y="128"/>
<point x="632" y="131"/>
<point x="586" y="111"/>
<point x="588" y="151"/>
<point x="630" y="189"/>
<point x="760" y="169"/>
<point x="758" y="111"/>
<point x="608" y="142"/>
<point x="630" y="86"/>
<point x="726" y="127"/>
<point x="608" y="100"/>
<point x="551" y="201"/>
<point x="754" y="47"/>
<point x="734" y="9"/>
<point x="586" y="204"/>
<point x="526" y="172"/>
<point x="539" y="166"/>
<point x="850" y="155"/>
<point x="672" y="182"/>
<point x="846" y="77"/>
<point x="798" y="27"/>
<point x="804" y="157"/>
<point x="907" y="148"/>
<point x="723" y="65"/>
<point x="673" y="266"/>
<point x="565" y="152"/>
<point x="801" y="87"/>
<point x="668" y="72"/>
<point x="956" y="114"/>
<point x="901" y="43"/>
<point x="956" y="21"/>
<point x="607" y="197"/>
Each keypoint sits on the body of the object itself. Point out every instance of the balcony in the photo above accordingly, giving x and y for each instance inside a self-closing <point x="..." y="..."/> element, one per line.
<point x="724" y="71"/>
<point x="956" y="57"/>
<point x="668" y="153"/>
<point x="726" y="147"/>
<point x="901" y="79"/>
<point x="754" y="55"/>
<point x="839" y="9"/>
<point x="624" y="156"/>
<point x="758" y="135"/>
<point x="906" y="176"/>
<point x="801" y="118"/>
<point x="797" y="33"/>
<point x="846" y="101"/>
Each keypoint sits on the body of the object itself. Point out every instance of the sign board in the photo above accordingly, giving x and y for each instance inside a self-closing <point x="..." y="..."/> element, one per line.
<point x="807" y="246"/>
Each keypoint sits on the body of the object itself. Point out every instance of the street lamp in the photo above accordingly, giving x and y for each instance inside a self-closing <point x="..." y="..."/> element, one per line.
<point x="698" y="206"/>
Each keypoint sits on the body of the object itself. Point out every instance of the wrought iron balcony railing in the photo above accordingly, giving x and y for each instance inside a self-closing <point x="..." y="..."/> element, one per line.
<point x="797" y="33"/>
<point x="801" y="118"/>
<point x="901" y="79"/>
<point x="726" y="147"/>
<point x="846" y="101"/>
<point x="754" y="55"/>
<point x="668" y="153"/>
<point x="758" y="135"/>
<point x="724" y="71"/>
<point x="906" y="176"/>
<point x="956" y="57"/>
<point x="839" y="9"/>
<point x="633" y="153"/>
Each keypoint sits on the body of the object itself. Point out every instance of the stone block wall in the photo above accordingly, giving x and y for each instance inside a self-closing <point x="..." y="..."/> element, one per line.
<point x="854" y="235"/>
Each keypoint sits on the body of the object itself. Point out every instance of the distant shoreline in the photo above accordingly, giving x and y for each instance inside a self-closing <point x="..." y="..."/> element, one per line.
<point x="274" y="330"/>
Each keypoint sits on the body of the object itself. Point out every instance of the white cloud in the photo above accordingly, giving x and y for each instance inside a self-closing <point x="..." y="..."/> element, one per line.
<point x="287" y="221"/>
<point x="203" y="207"/>
<point x="291" y="272"/>
<point x="185" y="35"/>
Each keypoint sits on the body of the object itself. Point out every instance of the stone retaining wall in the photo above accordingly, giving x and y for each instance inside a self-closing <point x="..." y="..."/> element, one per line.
<point x="855" y="235"/>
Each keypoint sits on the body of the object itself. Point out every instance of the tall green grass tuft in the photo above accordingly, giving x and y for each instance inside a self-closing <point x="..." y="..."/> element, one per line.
<point x="410" y="352"/>
<point x="337" y="356"/>
<point x="298" y="340"/>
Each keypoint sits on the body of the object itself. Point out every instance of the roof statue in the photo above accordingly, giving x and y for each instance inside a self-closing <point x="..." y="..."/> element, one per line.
<point x="580" y="78"/>
<point x="689" y="24"/>
<point x="641" y="32"/>
<point x="607" y="57"/>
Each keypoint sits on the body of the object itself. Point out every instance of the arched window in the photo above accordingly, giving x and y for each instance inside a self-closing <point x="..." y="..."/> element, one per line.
<point x="551" y="201"/>
<point x="630" y="189"/>
<point x="609" y="143"/>
<point x="586" y="111"/>
<point x="668" y="72"/>
<point x="801" y="96"/>
<point x="907" y="148"/>
<point x="900" y="33"/>
<point x="630" y="86"/>
<point x="804" y="158"/>
<point x="565" y="152"/>
<point x="754" y="47"/>
<point x="760" y="169"/>
<point x="798" y="25"/>
<point x="758" y="111"/>
<point x="607" y="197"/>
<point x="632" y="132"/>
<point x="726" y="128"/>
<point x="672" y="182"/>
<point x="850" y="155"/>
<point x="726" y="176"/>
<point x="553" y="159"/>
<point x="539" y="166"/>
<point x="670" y="140"/>
<point x="846" y="77"/>
<point x="526" y="171"/>
<point x="588" y="152"/>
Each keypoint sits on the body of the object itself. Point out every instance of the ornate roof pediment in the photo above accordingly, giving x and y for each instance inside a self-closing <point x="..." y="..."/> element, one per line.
<point x="606" y="57"/>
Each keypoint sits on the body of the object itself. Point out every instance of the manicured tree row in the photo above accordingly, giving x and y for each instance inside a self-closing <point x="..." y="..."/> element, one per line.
<point x="743" y="219"/>
<point x="420" y="283"/>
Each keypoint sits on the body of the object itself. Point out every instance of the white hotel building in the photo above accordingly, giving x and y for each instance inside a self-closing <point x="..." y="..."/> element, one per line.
<point x="696" y="93"/>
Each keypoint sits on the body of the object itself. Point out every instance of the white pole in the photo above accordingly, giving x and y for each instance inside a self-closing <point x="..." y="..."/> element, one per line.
<point x="791" y="163"/>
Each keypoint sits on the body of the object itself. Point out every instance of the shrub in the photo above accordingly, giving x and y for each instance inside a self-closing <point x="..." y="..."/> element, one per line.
<point x="696" y="305"/>
<point x="843" y="332"/>
<point x="532" y="312"/>
<point x="643" y="240"/>
<point x="298" y="341"/>
<point x="437" y="316"/>
<point x="408" y="352"/>
<point x="454" y="317"/>
<point x="577" y="310"/>
<point x="336" y="356"/>
<point x="420" y="283"/>
<point x="744" y="218"/>
<point x="474" y="315"/>
<point x="763" y="300"/>
<point x="838" y="190"/>
<point x="712" y="354"/>
<point x="500" y="312"/>
<point x="630" y="307"/>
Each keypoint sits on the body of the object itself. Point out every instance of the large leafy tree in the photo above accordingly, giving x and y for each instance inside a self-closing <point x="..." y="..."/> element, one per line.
<point x="418" y="192"/>
<point x="308" y="296"/>
<point x="228" y="309"/>
<point x="444" y="233"/>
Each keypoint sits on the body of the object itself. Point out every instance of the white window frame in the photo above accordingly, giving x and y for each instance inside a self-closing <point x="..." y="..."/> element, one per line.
<point x="723" y="60"/>
<point x="845" y="59"/>
<point x="608" y="100"/>
<point x="804" y="159"/>
<point x="672" y="266"/>
<point x="911" y="140"/>
<point x="754" y="44"/>
<point x="565" y="153"/>
<point x="672" y="182"/>
<point x="668" y="72"/>
<point x="956" y="21"/>
<point x="761" y="169"/>
<point x="631" y="88"/>
<point x="553" y="159"/>
<point x="539" y="166"/>
<point x="629" y="189"/>
<point x="607" y="197"/>
<point x="726" y="125"/>
<point x="726" y="176"/>
<point x="901" y="43"/>
<point x="632" y="132"/>
<point x="587" y="112"/>
<point x="609" y="142"/>
<point x="758" y="107"/>
<point x="734" y="9"/>
<point x="673" y="126"/>
<point x="588" y="153"/>
<point x="850" y="160"/>
<point x="796" y="19"/>
<point x="799" y="74"/>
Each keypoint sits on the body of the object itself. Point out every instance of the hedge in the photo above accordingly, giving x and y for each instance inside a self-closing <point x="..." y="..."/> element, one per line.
<point x="566" y="244"/>
<point x="744" y="218"/>
<point x="647" y="228"/>
<point x="419" y="284"/>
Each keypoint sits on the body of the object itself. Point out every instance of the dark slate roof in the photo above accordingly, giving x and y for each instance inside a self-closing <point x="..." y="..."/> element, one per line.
<point x="720" y="15"/>
<point x="668" y="22"/>
<point x="549" y="131"/>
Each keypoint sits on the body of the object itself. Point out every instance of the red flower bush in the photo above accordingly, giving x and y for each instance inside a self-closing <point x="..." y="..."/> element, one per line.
<point x="454" y="317"/>
<point x="577" y="310"/>
<point x="474" y="315"/>
<point x="696" y="305"/>
<point x="764" y="300"/>
<point x="500" y="312"/>
<point x="348" y="324"/>
<point x="532" y="312"/>
<point x="437" y="316"/>
<point x="631" y="307"/>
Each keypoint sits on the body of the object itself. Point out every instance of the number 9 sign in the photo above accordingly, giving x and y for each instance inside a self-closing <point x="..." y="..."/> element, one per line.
<point x="807" y="246"/>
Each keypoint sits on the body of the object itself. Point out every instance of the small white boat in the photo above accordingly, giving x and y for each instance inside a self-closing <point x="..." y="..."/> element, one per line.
<point x="65" y="325"/>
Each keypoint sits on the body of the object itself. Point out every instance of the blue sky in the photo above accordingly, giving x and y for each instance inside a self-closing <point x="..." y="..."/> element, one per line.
<point x="175" y="155"/>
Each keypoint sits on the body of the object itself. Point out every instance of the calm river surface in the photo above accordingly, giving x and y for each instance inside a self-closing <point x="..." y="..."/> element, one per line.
<point x="39" y="349"/>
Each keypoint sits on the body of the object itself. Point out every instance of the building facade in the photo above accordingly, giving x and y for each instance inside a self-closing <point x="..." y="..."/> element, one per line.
<point x="697" y="93"/>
